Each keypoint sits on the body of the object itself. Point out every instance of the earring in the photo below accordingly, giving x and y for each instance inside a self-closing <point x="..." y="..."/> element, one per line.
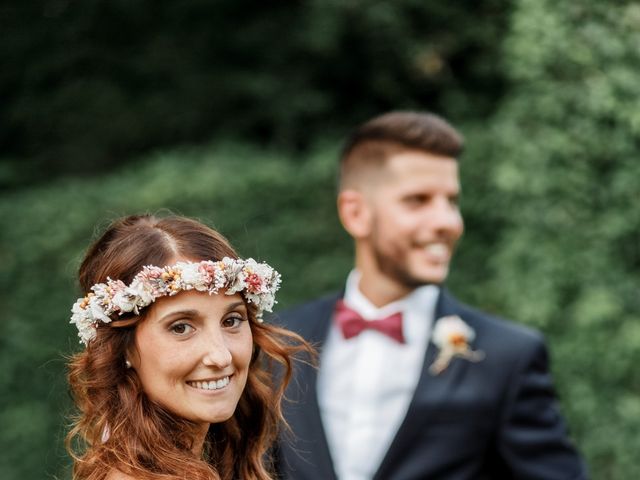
<point x="127" y="363"/>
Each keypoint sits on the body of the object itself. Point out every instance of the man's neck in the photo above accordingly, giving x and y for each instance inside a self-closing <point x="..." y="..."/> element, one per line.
<point x="380" y="290"/>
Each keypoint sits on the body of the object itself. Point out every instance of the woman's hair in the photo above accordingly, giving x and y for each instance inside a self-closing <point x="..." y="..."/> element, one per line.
<point x="117" y="425"/>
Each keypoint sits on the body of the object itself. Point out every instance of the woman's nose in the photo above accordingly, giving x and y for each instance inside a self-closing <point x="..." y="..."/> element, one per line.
<point x="216" y="352"/>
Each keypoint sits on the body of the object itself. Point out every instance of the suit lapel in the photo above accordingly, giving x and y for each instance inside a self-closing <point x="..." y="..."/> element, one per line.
<point x="307" y="422"/>
<point x="430" y="391"/>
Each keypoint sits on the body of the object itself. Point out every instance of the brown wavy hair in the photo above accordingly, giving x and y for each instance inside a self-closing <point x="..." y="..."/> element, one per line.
<point x="117" y="427"/>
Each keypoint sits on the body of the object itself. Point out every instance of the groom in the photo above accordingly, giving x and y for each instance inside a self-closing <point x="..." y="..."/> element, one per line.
<point x="412" y="384"/>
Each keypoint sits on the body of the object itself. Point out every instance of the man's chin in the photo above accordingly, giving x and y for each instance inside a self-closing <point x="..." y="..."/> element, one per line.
<point x="414" y="280"/>
<point x="412" y="274"/>
<point x="429" y="278"/>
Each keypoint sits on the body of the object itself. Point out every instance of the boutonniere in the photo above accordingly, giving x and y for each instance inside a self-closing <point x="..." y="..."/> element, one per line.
<point x="453" y="336"/>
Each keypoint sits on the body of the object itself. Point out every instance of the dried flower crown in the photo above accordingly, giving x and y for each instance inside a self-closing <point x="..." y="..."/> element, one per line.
<point x="257" y="282"/>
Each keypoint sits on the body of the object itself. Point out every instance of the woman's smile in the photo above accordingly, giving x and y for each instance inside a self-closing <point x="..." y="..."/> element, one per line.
<point x="210" y="385"/>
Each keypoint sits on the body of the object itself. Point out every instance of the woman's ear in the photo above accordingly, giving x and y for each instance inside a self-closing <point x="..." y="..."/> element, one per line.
<point x="132" y="358"/>
<point x="355" y="213"/>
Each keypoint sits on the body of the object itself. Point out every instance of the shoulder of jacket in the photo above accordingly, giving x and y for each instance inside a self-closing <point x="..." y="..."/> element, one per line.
<point x="300" y="314"/>
<point x="507" y="332"/>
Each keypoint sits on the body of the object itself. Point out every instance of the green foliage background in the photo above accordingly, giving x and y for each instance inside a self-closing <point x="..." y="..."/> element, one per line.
<point x="104" y="79"/>
<point x="550" y="178"/>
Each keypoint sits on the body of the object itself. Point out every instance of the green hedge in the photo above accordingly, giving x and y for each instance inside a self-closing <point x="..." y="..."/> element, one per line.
<point x="564" y="148"/>
<point x="104" y="79"/>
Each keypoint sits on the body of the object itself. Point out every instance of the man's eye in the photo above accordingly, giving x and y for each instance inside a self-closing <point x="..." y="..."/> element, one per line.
<point x="181" y="328"/>
<point x="415" y="200"/>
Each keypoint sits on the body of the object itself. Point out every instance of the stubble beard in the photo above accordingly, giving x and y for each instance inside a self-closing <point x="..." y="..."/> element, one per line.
<point x="394" y="265"/>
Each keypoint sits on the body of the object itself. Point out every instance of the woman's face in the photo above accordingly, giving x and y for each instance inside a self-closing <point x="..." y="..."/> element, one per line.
<point x="193" y="354"/>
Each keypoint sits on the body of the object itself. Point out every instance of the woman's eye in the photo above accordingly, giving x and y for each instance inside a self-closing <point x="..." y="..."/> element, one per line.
<point x="232" y="322"/>
<point x="181" y="328"/>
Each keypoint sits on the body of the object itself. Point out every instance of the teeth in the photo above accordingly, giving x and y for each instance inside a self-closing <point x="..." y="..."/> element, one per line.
<point x="212" y="385"/>
<point x="438" y="249"/>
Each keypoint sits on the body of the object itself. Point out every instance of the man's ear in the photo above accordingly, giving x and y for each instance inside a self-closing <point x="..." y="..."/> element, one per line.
<point x="355" y="213"/>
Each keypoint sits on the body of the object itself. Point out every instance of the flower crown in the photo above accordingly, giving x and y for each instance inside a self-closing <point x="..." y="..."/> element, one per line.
<point x="257" y="282"/>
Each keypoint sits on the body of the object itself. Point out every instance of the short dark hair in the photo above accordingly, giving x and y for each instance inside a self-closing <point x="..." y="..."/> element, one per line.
<point x="375" y="140"/>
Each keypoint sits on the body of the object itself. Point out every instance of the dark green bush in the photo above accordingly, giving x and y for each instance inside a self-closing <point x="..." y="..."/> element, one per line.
<point x="106" y="80"/>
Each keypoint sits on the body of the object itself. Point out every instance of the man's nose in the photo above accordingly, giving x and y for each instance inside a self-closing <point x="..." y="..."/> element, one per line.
<point x="445" y="215"/>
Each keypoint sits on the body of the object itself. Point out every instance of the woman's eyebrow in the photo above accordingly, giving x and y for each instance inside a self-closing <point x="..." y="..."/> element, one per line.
<point x="181" y="313"/>
<point x="192" y="313"/>
<point x="234" y="305"/>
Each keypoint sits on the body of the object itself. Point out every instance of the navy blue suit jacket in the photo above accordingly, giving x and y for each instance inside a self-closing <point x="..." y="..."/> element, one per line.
<point x="495" y="419"/>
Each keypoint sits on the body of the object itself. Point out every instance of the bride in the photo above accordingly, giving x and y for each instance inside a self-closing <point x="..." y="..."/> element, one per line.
<point x="176" y="380"/>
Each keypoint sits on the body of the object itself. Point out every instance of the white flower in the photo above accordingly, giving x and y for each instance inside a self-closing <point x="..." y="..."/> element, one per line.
<point x="451" y="331"/>
<point x="453" y="337"/>
<point x="235" y="275"/>
<point x="84" y="324"/>
<point x="86" y="332"/>
<point x="142" y="291"/>
<point x="219" y="280"/>
<point x="97" y="309"/>
<point x="192" y="276"/>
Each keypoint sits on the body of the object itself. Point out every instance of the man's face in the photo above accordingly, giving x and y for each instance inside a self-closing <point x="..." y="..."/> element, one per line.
<point x="414" y="219"/>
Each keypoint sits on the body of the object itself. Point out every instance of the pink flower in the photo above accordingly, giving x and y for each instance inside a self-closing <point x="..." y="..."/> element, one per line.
<point x="254" y="282"/>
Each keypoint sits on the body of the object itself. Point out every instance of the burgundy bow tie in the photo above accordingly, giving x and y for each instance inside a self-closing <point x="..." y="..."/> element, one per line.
<point x="352" y="324"/>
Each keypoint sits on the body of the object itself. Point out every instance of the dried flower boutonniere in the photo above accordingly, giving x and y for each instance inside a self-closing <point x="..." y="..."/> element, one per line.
<point x="453" y="336"/>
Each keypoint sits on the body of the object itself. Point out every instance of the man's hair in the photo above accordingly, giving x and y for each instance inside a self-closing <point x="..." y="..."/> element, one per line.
<point x="373" y="142"/>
